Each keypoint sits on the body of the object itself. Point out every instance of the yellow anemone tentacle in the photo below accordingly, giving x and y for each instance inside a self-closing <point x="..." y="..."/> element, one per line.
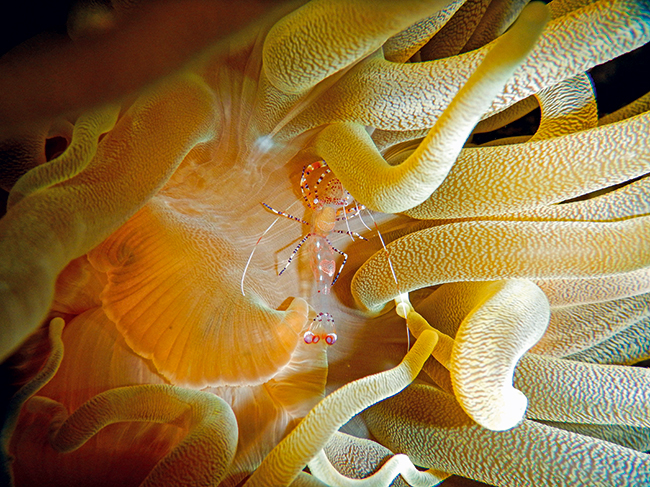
<point x="412" y="96"/>
<point x="400" y="47"/>
<point x="350" y="152"/>
<point x="431" y="428"/>
<point x="573" y="329"/>
<point x="567" y="107"/>
<point x="627" y="347"/>
<point x="510" y="319"/>
<point x="535" y="174"/>
<point x="572" y="292"/>
<point x="565" y="390"/>
<point x="320" y="48"/>
<point x="355" y="458"/>
<point x="396" y="465"/>
<point x="76" y="157"/>
<point x="492" y="250"/>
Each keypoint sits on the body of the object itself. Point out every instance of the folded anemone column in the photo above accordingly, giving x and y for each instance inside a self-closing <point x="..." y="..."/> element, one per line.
<point x="66" y="220"/>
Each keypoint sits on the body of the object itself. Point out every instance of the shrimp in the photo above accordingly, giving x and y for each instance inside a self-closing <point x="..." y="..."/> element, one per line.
<point x="330" y="202"/>
<point x="329" y="205"/>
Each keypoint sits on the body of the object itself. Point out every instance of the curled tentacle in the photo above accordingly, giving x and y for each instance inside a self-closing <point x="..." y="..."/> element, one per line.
<point x="210" y="443"/>
<point x="352" y="155"/>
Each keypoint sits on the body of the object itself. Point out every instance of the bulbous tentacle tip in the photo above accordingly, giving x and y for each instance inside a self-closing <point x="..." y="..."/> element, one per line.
<point x="508" y="412"/>
<point x="490" y="341"/>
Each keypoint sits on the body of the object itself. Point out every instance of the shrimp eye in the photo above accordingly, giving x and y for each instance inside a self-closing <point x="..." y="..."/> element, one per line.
<point x="331" y="338"/>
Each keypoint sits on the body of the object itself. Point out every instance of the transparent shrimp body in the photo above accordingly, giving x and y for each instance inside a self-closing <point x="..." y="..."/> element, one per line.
<point x="322" y="262"/>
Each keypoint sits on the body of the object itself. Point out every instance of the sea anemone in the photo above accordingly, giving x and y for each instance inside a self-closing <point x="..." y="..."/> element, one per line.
<point x="488" y="318"/>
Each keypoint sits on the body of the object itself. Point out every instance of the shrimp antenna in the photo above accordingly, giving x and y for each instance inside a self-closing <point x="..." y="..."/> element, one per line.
<point x="392" y="271"/>
<point x="250" y="257"/>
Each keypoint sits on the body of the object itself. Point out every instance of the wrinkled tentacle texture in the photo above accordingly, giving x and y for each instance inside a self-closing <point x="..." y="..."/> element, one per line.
<point x="363" y="171"/>
<point x="526" y="258"/>
<point x="439" y="435"/>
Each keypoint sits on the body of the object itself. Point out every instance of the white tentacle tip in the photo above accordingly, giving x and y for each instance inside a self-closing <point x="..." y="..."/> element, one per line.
<point x="505" y="413"/>
<point x="402" y="305"/>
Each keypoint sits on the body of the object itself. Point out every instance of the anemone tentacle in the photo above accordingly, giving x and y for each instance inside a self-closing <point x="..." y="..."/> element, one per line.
<point x="35" y="384"/>
<point x="378" y="186"/>
<point x="210" y="443"/>
<point x="397" y="96"/>
<point x="444" y="437"/>
<point x="521" y="250"/>
<point x="516" y="166"/>
<point x="627" y="347"/>
<point x="76" y="157"/>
